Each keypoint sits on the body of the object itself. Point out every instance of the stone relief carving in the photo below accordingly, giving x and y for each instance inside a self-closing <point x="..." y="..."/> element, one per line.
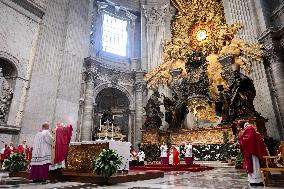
<point x="6" y="95"/>
<point x="90" y="73"/>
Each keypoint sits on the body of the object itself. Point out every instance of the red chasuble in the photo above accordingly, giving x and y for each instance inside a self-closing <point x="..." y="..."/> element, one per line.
<point x="176" y="157"/>
<point x="63" y="137"/>
<point x="252" y="143"/>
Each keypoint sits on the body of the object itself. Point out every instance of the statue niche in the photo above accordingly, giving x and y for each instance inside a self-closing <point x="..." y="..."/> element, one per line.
<point x="237" y="101"/>
<point x="6" y="95"/>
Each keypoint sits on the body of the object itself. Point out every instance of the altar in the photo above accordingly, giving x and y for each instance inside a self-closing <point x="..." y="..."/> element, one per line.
<point x="82" y="154"/>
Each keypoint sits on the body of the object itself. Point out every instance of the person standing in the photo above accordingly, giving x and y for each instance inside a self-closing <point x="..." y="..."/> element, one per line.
<point x="164" y="154"/>
<point x="253" y="149"/>
<point x="62" y="136"/>
<point x="41" y="155"/>
<point x="188" y="158"/>
<point x="141" y="157"/>
<point x="176" y="153"/>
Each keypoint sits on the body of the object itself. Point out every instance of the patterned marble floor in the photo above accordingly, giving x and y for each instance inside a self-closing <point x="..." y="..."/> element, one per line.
<point x="219" y="178"/>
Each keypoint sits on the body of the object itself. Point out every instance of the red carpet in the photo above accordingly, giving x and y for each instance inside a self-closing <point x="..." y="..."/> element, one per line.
<point x="181" y="167"/>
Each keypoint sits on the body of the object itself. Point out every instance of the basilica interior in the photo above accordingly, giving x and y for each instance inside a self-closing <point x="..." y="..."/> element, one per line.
<point x="144" y="72"/>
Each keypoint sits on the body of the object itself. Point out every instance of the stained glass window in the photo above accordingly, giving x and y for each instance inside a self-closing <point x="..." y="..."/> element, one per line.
<point x="114" y="38"/>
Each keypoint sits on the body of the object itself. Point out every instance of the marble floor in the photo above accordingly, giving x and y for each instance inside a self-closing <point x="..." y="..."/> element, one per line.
<point x="219" y="178"/>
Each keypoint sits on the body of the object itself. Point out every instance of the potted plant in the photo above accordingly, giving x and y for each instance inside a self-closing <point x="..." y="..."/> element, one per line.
<point x="239" y="161"/>
<point x="16" y="163"/>
<point x="107" y="164"/>
<point x="226" y="144"/>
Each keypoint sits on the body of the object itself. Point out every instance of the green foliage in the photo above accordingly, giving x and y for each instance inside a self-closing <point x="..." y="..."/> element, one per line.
<point x="239" y="160"/>
<point x="226" y="145"/>
<point x="16" y="163"/>
<point x="107" y="163"/>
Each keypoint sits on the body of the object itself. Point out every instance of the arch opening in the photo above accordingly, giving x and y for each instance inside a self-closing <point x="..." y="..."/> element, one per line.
<point x="119" y="104"/>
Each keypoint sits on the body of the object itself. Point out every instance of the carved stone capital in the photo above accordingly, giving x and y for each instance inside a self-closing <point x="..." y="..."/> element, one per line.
<point x="140" y="86"/>
<point x="89" y="72"/>
<point x="273" y="44"/>
<point x="156" y="15"/>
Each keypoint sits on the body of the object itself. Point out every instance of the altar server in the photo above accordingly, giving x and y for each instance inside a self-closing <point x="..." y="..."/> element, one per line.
<point x="253" y="149"/>
<point x="164" y="153"/>
<point x="41" y="155"/>
<point x="62" y="136"/>
<point x="188" y="157"/>
<point x="141" y="156"/>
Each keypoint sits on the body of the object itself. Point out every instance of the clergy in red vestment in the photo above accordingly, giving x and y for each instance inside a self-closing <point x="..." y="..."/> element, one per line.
<point x="62" y="135"/>
<point x="173" y="155"/>
<point x="176" y="156"/>
<point x="253" y="149"/>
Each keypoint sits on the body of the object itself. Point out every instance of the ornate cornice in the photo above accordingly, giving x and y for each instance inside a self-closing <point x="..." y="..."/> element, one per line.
<point x="114" y="76"/>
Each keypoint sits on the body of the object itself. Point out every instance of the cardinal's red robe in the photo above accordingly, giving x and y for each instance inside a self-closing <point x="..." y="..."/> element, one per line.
<point x="252" y="143"/>
<point x="63" y="136"/>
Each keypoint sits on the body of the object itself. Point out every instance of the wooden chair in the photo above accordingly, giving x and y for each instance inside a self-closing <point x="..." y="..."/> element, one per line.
<point x="269" y="159"/>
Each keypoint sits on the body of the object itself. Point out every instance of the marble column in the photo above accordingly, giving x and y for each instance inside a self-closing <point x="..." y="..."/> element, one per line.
<point x="139" y="88"/>
<point x="156" y="17"/>
<point x="131" y="126"/>
<point x="275" y="70"/>
<point x="87" y="122"/>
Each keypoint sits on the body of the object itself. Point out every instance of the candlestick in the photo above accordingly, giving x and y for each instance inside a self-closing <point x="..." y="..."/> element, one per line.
<point x="99" y="136"/>
<point x="106" y="134"/>
<point x="112" y="131"/>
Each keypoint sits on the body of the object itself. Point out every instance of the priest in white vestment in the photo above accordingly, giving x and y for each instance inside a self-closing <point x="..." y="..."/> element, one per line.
<point x="164" y="154"/>
<point x="41" y="155"/>
<point x="188" y="157"/>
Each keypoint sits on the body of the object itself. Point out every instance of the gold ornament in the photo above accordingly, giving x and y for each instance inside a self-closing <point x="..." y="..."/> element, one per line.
<point x="200" y="25"/>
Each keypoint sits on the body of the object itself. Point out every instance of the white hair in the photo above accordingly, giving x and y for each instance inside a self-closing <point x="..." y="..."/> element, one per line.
<point x="246" y="124"/>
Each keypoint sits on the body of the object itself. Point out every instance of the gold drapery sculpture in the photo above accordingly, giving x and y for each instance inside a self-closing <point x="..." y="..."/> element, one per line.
<point x="199" y="25"/>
